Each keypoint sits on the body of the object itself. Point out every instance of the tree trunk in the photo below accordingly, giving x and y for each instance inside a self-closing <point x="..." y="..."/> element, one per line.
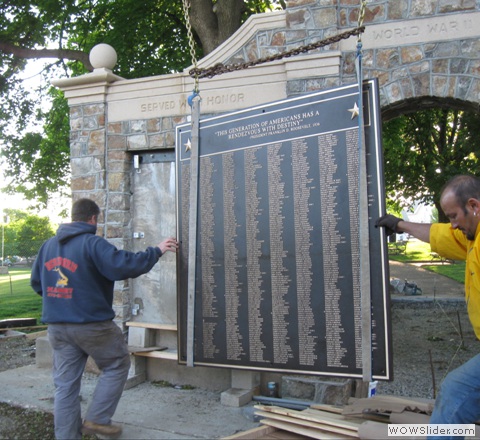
<point x="442" y="218"/>
<point x="215" y="23"/>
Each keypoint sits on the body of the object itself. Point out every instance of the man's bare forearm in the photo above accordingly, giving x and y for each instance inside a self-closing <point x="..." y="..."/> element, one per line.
<point x="418" y="230"/>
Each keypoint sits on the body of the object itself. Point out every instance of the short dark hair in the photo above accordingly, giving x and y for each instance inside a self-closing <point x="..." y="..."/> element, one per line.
<point x="464" y="187"/>
<point x="84" y="209"/>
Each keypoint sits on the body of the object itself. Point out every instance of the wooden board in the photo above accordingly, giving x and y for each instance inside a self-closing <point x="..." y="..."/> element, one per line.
<point x="305" y="423"/>
<point x="252" y="434"/>
<point x="321" y="421"/>
<point x="370" y="430"/>
<point x="313" y="416"/>
<point x="18" y="322"/>
<point x="151" y="325"/>
<point x="308" y="432"/>
<point x="390" y="404"/>
<point x="134" y="349"/>
<point x="165" y="354"/>
<point x="265" y="432"/>
<point x="327" y="408"/>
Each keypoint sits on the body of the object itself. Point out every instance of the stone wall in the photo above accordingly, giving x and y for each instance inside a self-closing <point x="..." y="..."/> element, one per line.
<point x="420" y="48"/>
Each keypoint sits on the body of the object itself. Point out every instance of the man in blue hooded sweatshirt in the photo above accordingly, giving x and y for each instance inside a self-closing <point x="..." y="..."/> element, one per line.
<point x="75" y="272"/>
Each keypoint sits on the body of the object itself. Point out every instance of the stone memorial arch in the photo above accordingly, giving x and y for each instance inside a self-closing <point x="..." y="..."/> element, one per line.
<point x="424" y="54"/>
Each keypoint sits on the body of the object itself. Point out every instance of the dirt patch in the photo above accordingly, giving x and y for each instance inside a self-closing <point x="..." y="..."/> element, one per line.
<point x="20" y="423"/>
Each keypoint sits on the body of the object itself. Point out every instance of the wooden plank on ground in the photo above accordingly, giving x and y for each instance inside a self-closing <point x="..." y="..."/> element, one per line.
<point x="370" y="430"/>
<point x="347" y="433"/>
<point x="252" y="434"/>
<point x="312" y="416"/>
<point x="308" y="432"/>
<point x="18" y="322"/>
<point x="265" y="432"/>
<point x="327" y="408"/>
<point x="372" y="416"/>
<point x="350" y="423"/>
<point x="280" y="434"/>
<point x="389" y="404"/>
<point x="358" y="418"/>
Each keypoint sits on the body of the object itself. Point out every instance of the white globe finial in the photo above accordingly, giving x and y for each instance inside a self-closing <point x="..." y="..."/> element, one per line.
<point x="103" y="56"/>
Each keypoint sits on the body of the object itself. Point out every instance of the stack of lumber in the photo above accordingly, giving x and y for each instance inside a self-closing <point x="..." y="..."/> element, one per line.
<point x="361" y="418"/>
<point x="311" y="422"/>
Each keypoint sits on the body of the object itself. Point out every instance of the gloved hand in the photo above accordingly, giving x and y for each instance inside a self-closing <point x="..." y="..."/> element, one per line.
<point x="390" y="223"/>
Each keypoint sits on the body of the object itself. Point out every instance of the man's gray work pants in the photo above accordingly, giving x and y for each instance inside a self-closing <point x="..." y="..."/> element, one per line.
<point x="72" y="344"/>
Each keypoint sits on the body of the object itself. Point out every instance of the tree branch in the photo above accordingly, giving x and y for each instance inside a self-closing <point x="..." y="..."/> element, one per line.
<point x="70" y="54"/>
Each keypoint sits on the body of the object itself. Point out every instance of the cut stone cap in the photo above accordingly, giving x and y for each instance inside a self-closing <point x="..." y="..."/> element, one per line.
<point x="103" y="56"/>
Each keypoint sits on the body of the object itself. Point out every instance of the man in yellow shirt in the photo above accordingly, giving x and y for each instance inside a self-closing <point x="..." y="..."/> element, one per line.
<point x="459" y="398"/>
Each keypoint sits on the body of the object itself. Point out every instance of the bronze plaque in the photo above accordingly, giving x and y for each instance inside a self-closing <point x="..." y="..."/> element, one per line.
<point x="277" y="252"/>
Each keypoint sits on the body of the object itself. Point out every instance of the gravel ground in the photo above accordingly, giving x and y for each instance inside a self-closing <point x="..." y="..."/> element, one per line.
<point x="16" y="352"/>
<point x="428" y="341"/>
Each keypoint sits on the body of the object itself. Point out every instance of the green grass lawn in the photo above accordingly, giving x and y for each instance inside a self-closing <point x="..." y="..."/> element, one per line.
<point x="418" y="251"/>
<point x="415" y="250"/>
<point x="17" y="299"/>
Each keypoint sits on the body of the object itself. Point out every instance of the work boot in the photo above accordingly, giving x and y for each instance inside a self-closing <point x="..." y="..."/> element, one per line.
<point x="113" y="431"/>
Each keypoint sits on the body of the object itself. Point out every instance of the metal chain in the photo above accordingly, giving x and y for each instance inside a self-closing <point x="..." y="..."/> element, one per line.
<point x="220" y="68"/>
<point x="361" y="16"/>
<point x="191" y="43"/>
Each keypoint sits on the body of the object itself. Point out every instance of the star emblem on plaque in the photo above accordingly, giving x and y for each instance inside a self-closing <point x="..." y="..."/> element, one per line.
<point x="188" y="146"/>
<point x="354" y="111"/>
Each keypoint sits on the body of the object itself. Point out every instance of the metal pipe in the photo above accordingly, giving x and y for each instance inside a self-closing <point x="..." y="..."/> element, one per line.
<point x="284" y="403"/>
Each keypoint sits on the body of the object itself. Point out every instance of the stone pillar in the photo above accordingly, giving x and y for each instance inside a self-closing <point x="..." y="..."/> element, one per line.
<point x="100" y="171"/>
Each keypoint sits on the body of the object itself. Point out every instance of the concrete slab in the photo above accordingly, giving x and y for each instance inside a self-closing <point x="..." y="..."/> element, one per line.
<point x="146" y="411"/>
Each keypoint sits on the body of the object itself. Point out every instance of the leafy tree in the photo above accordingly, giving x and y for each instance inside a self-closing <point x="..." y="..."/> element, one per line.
<point x="12" y="215"/>
<point x="423" y="150"/>
<point x="39" y="163"/>
<point x="150" y="39"/>
<point x="25" y="233"/>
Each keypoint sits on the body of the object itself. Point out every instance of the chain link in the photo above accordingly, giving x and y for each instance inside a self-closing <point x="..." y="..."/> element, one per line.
<point x="220" y="68"/>
<point x="361" y="16"/>
<point x="191" y="43"/>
